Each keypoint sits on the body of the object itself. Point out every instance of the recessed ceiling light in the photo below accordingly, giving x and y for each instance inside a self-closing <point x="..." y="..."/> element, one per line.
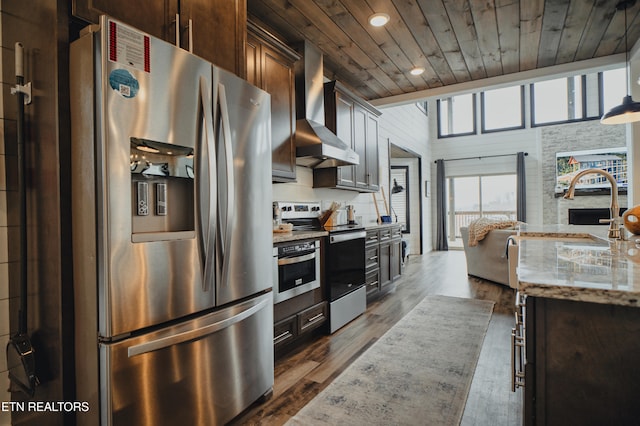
<point x="378" y="19"/>
<point x="417" y="71"/>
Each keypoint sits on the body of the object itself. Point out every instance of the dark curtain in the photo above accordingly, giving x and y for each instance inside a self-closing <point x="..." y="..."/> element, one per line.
<point x="521" y="190"/>
<point x="441" y="207"/>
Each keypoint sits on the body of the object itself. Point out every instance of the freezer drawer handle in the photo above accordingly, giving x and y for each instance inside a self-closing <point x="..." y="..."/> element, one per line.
<point x="173" y="340"/>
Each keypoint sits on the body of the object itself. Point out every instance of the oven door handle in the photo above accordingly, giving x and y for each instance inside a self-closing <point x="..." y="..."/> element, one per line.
<point x="297" y="259"/>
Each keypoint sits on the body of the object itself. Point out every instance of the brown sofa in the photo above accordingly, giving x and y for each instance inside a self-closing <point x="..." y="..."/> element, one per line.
<point x="488" y="259"/>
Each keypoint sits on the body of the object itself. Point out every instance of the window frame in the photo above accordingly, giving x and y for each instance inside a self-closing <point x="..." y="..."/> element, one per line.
<point x="601" y="89"/>
<point x="583" y="79"/>
<point x="473" y="111"/>
<point x="522" y="125"/>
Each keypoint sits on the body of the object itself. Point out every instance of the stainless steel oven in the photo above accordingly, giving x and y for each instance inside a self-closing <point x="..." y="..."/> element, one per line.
<point x="296" y="267"/>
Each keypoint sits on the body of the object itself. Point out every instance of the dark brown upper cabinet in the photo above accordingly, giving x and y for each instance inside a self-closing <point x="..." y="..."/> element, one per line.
<point x="355" y="121"/>
<point x="215" y="30"/>
<point x="270" y="66"/>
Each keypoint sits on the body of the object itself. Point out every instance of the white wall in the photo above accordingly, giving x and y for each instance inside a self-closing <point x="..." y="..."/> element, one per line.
<point x="408" y="127"/>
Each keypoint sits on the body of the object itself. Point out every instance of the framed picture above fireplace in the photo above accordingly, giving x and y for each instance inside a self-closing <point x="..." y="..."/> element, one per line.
<point x="612" y="160"/>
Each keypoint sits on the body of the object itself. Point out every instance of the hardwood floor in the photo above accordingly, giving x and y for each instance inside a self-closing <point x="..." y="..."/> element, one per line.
<point x="302" y="373"/>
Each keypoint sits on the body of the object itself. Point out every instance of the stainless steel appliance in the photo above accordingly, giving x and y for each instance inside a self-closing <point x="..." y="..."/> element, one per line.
<point x="345" y="274"/>
<point x="296" y="264"/>
<point x="316" y="145"/>
<point x="297" y="268"/>
<point x="172" y="281"/>
<point x="344" y="260"/>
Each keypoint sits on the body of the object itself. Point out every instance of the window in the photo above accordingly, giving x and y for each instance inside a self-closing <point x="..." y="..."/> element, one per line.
<point x="456" y="115"/>
<point x="470" y="197"/>
<point x="614" y="88"/>
<point x="503" y="109"/>
<point x="558" y="100"/>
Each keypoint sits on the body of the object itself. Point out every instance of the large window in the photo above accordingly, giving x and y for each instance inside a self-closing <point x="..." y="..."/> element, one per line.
<point x="456" y="115"/>
<point x="503" y="109"/>
<point x="470" y="197"/>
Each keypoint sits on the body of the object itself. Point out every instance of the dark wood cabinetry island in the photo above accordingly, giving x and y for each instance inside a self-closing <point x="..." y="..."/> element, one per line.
<point x="581" y="327"/>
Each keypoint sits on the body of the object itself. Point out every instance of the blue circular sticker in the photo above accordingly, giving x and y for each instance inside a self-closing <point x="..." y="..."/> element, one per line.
<point x="124" y="83"/>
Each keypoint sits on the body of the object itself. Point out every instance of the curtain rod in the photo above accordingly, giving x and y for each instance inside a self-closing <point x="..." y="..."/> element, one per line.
<point x="481" y="157"/>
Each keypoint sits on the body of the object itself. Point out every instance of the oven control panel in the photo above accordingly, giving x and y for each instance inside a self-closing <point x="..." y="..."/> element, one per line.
<point x="298" y="210"/>
<point x="293" y="249"/>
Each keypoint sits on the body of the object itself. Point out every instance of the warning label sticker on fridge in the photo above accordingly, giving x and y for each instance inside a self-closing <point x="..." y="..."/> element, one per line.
<point x="129" y="47"/>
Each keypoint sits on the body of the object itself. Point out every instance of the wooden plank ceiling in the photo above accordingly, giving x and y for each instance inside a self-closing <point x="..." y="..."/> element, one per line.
<point x="455" y="41"/>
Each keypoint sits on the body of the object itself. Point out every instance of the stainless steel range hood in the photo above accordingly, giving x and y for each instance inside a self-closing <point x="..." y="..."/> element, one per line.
<point x="316" y="145"/>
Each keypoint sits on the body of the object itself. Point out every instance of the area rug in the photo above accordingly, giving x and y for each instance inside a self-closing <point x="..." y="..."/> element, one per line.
<point x="418" y="373"/>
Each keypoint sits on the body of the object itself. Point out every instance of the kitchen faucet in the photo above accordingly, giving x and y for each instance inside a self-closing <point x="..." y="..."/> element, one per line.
<point x="615" y="220"/>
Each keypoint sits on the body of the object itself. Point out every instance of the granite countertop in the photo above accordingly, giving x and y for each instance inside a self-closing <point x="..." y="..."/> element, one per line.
<point x="283" y="237"/>
<point x="581" y="264"/>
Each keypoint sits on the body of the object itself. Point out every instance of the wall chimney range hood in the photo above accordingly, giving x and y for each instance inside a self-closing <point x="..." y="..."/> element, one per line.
<point x="316" y="145"/>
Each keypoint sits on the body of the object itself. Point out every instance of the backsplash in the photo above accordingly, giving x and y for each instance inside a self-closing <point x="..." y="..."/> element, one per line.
<point x="303" y="190"/>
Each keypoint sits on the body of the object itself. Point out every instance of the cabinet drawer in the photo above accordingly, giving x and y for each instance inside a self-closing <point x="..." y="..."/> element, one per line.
<point x="372" y="238"/>
<point x="312" y="317"/>
<point x="284" y="331"/>
<point x="371" y="259"/>
<point x="385" y="234"/>
<point x="396" y="232"/>
<point x="372" y="281"/>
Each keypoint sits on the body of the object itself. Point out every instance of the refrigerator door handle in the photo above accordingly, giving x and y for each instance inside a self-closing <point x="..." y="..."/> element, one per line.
<point x="205" y="152"/>
<point x="225" y="232"/>
<point x="190" y="335"/>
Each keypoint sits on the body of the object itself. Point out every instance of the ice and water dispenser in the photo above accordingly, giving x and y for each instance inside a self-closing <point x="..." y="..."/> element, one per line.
<point x="162" y="191"/>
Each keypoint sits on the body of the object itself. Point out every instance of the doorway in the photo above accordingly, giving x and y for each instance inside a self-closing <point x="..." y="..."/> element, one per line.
<point x="405" y="200"/>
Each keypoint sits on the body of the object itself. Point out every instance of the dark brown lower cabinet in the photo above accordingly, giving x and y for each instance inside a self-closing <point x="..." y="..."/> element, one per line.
<point x="583" y="363"/>
<point x="383" y="258"/>
<point x="297" y="324"/>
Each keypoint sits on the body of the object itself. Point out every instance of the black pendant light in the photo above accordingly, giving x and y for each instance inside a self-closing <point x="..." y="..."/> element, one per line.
<point x="629" y="110"/>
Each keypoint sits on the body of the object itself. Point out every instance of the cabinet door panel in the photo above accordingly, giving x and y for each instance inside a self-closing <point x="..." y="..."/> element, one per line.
<point x="359" y="144"/>
<point x="385" y="264"/>
<point x="344" y="131"/>
<point x="154" y="17"/>
<point x="396" y="259"/>
<point x="278" y="80"/>
<point x="252" y="52"/>
<point x="372" y="160"/>
<point x="219" y="31"/>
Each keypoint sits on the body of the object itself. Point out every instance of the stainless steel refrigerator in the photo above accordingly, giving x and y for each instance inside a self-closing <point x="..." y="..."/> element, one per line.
<point x="171" y="181"/>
